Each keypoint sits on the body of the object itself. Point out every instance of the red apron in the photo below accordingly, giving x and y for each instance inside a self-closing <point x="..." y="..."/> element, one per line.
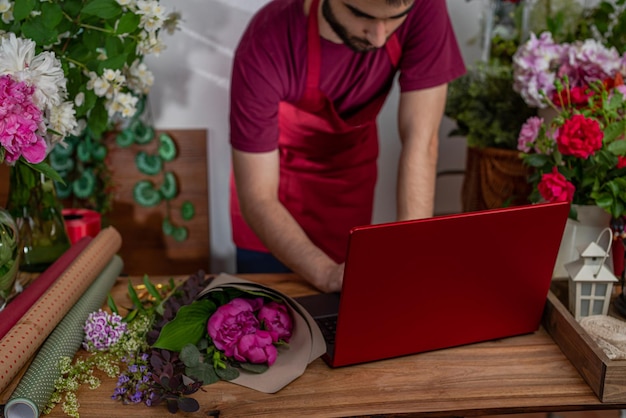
<point x="327" y="164"/>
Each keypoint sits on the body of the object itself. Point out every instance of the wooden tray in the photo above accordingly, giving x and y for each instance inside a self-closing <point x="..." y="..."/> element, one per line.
<point x="606" y="377"/>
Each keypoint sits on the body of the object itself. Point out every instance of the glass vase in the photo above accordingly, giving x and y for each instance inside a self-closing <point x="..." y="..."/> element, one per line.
<point x="37" y="211"/>
<point x="9" y="255"/>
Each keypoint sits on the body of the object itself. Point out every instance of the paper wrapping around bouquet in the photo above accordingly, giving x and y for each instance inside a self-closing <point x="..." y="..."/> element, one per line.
<point x="305" y="345"/>
<point x="25" y="337"/>
<point x="36" y="386"/>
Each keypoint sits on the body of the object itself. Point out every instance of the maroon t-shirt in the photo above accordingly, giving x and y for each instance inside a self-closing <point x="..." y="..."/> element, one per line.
<point x="270" y="67"/>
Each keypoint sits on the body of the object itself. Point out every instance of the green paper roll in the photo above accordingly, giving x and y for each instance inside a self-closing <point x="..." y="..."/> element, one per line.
<point x="34" y="390"/>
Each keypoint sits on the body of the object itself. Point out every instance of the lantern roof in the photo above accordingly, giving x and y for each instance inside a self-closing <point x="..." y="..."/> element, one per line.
<point x="593" y="250"/>
<point x="581" y="272"/>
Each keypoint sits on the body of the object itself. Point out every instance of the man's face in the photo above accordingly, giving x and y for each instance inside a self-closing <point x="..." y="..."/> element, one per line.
<point x="364" y="25"/>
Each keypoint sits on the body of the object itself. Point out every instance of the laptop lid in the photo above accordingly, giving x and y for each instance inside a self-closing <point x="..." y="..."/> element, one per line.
<point x="445" y="281"/>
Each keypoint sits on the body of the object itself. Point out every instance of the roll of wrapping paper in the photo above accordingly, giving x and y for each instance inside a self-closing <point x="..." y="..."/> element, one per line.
<point x="22" y="302"/>
<point x="25" y="337"/>
<point x="81" y="223"/>
<point x="34" y="390"/>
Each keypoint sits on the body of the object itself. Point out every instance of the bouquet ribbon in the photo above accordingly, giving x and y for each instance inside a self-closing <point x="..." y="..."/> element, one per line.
<point x="81" y="223"/>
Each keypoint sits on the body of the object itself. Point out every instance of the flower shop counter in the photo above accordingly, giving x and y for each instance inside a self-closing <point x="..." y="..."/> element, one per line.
<point x="527" y="373"/>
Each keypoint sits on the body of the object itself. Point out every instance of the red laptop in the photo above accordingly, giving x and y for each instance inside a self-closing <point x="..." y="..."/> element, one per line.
<point x="440" y="282"/>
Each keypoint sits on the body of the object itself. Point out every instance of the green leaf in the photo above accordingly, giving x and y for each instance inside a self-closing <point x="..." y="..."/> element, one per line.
<point x="22" y="8"/>
<point x="203" y="372"/>
<point x="36" y="30"/>
<point x="127" y="23"/>
<point x="190" y="355"/>
<point x="45" y="169"/>
<point x="114" y="62"/>
<point x="188" y="327"/>
<point x="53" y="14"/>
<point x="617" y="147"/>
<point x="105" y="9"/>
<point x="151" y="288"/>
<point x="111" y="304"/>
<point x="536" y="160"/>
<point x="255" y="368"/>
<point x="132" y="294"/>
<point x="229" y="373"/>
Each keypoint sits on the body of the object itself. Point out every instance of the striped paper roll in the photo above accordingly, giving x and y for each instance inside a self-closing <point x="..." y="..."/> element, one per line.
<point x="34" y="390"/>
<point x="25" y="337"/>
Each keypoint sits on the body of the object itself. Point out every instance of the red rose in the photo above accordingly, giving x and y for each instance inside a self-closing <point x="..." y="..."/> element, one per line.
<point x="580" y="136"/>
<point x="554" y="187"/>
<point x="621" y="161"/>
<point x="577" y="96"/>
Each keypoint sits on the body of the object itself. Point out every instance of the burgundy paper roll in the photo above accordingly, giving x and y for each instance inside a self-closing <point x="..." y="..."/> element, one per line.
<point x="16" y="308"/>
<point x="81" y="223"/>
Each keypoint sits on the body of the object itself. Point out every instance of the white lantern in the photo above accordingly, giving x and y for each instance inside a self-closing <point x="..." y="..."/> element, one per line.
<point x="590" y="280"/>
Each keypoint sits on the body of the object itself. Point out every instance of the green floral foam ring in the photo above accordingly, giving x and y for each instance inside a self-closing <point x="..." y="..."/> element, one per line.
<point x="188" y="210"/>
<point x="148" y="164"/>
<point x="61" y="162"/>
<point x="167" y="147"/>
<point x="83" y="152"/>
<point x="168" y="228"/>
<point x="125" y="139"/>
<point x="85" y="185"/>
<point x="145" y="194"/>
<point x="180" y="233"/>
<point x="99" y="152"/>
<point x="169" y="188"/>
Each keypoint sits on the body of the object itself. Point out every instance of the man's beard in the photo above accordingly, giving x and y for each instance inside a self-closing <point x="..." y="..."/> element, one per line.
<point x="354" y="43"/>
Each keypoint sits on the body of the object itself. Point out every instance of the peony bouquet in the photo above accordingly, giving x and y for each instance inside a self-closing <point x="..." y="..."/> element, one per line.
<point x="35" y="114"/>
<point x="577" y="146"/>
<point x="177" y="338"/>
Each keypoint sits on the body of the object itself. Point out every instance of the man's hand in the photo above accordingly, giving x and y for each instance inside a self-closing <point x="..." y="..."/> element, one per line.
<point x="330" y="279"/>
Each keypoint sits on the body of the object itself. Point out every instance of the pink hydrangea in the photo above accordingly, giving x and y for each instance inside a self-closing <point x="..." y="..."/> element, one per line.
<point x="529" y="133"/>
<point x="20" y="122"/>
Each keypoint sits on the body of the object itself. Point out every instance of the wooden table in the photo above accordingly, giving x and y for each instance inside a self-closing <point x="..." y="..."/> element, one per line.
<point x="513" y="375"/>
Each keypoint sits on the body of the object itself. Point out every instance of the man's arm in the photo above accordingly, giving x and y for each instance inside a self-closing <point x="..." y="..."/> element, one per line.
<point x="257" y="179"/>
<point x="419" y="117"/>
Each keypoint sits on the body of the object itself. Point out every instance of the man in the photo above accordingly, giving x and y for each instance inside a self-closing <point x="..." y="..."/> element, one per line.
<point x="309" y="79"/>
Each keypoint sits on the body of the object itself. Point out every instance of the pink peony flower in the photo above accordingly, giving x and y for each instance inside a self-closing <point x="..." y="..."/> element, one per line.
<point x="580" y="136"/>
<point x="554" y="187"/>
<point x="256" y="348"/>
<point x="20" y="122"/>
<point x="230" y="323"/>
<point x="276" y="319"/>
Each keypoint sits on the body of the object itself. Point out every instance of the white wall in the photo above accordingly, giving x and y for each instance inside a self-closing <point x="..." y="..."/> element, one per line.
<point x="191" y="91"/>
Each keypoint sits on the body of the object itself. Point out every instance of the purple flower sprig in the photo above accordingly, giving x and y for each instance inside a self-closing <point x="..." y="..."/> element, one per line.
<point x="103" y="330"/>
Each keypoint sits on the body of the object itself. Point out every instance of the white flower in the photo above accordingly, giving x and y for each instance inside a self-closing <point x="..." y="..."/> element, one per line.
<point x="62" y="120"/>
<point x="140" y="78"/>
<point x="79" y="99"/>
<point x="6" y="11"/>
<point x="108" y="85"/>
<point x="152" y="15"/>
<point x="17" y="58"/>
<point x="124" y="104"/>
<point x="149" y="43"/>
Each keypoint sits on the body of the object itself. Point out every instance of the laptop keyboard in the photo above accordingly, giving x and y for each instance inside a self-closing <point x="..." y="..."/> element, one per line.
<point x="328" y="326"/>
